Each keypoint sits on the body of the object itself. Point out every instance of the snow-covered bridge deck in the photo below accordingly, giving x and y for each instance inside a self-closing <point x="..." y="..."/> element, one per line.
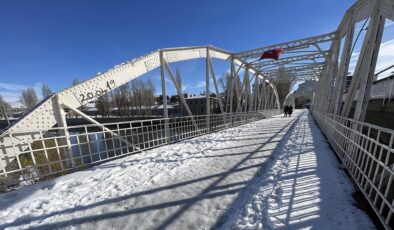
<point x="273" y="173"/>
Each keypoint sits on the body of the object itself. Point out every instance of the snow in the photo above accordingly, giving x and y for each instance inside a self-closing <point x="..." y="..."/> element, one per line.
<point x="273" y="173"/>
<point x="304" y="188"/>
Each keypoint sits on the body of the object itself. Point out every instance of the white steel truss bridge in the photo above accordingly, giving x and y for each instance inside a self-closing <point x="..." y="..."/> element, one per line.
<point x="53" y="148"/>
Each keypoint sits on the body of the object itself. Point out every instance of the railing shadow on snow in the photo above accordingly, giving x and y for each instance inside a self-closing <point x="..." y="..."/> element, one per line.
<point x="300" y="181"/>
<point x="211" y="191"/>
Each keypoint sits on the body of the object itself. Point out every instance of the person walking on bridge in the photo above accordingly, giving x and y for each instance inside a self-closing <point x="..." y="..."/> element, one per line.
<point x="290" y="110"/>
<point x="286" y="110"/>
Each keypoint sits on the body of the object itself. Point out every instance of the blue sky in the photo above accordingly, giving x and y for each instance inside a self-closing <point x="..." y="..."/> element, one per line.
<point x="54" y="42"/>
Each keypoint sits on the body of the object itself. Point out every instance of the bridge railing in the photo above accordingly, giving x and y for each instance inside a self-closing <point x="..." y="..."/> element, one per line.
<point x="59" y="151"/>
<point x="367" y="152"/>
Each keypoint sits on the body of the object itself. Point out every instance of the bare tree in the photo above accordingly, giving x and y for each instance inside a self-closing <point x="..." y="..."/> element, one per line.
<point x="46" y="91"/>
<point x="29" y="97"/>
<point x="150" y="95"/>
<point x="120" y="98"/>
<point x="137" y="89"/>
<point x="103" y="105"/>
<point x="227" y="85"/>
<point x="224" y="81"/>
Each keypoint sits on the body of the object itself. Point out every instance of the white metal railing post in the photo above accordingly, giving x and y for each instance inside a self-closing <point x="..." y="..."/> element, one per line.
<point x="365" y="155"/>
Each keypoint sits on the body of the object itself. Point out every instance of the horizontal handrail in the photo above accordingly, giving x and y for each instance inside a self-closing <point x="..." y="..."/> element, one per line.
<point x="366" y="150"/>
<point x="60" y="150"/>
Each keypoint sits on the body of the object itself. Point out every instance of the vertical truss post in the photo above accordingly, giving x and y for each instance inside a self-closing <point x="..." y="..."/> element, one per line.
<point x="232" y="77"/>
<point x="216" y="85"/>
<point x="264" y="96"/>
<point x="208" y="106"/>
<point x="240" y="95"/>
<point x="276" y="94"/>
<point x="369" y="62"/>
<point x="322" y="87"/>
<point x="247" y="89"/>
<point x="237" y="92"/>
<point x="261" y="96"/>
<point x="60" y="117"/>
<point x="272" y="102"/>
<point x="257" y="96"/>
<point x="363" y="65"/>
<point x="229" y="89"/>
<point x="329" y="74"/>
<point x="332" y="74"/>
<point x="163" y="92"/>
<point x="251" y="107"/>
<point x="343" y="67"/>
<point x="269" y="98"/>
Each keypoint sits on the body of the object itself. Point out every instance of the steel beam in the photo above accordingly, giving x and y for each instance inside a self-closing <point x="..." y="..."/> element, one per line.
<point x="292" y="45"/>
<point x="178" y="88"/>
<point x="219" y="98"/>
<point x="288" y="60"/>
<point x="343" y="68"/>
<point x="373" y="39"/>
<point x="80" y="113"/>
<point x="208" y="106"/>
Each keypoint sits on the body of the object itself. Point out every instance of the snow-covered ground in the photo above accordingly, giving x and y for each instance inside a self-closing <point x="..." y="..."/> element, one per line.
<point x="273" y="173"/>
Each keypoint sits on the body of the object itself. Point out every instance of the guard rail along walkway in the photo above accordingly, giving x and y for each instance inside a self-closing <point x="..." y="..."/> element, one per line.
<point x="40" y="145"/>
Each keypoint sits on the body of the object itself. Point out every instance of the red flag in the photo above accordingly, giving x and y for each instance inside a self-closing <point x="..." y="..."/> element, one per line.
<point x="273" y="54"/>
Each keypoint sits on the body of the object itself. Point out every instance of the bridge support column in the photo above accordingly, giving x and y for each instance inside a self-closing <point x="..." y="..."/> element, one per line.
<point x="246" y="91"/>
<point x="332" y="74"/>
<point x="262" y="94"/>
<point x="60" y="117"/>
<point x="365" y="67"/>
<point x="258" y="93"/>
<point x="231" y="89"/>
<point x="340" y="82"/>
<point x="252" y="91"/>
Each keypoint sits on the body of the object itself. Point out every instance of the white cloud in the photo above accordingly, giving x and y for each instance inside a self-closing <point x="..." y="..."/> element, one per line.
<point x="200" y="84"/>
<point x="11" y="92"/>
<point x="385" y="58"/>
<point x="388" y="23"/>
<point x="11" y="87"/>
